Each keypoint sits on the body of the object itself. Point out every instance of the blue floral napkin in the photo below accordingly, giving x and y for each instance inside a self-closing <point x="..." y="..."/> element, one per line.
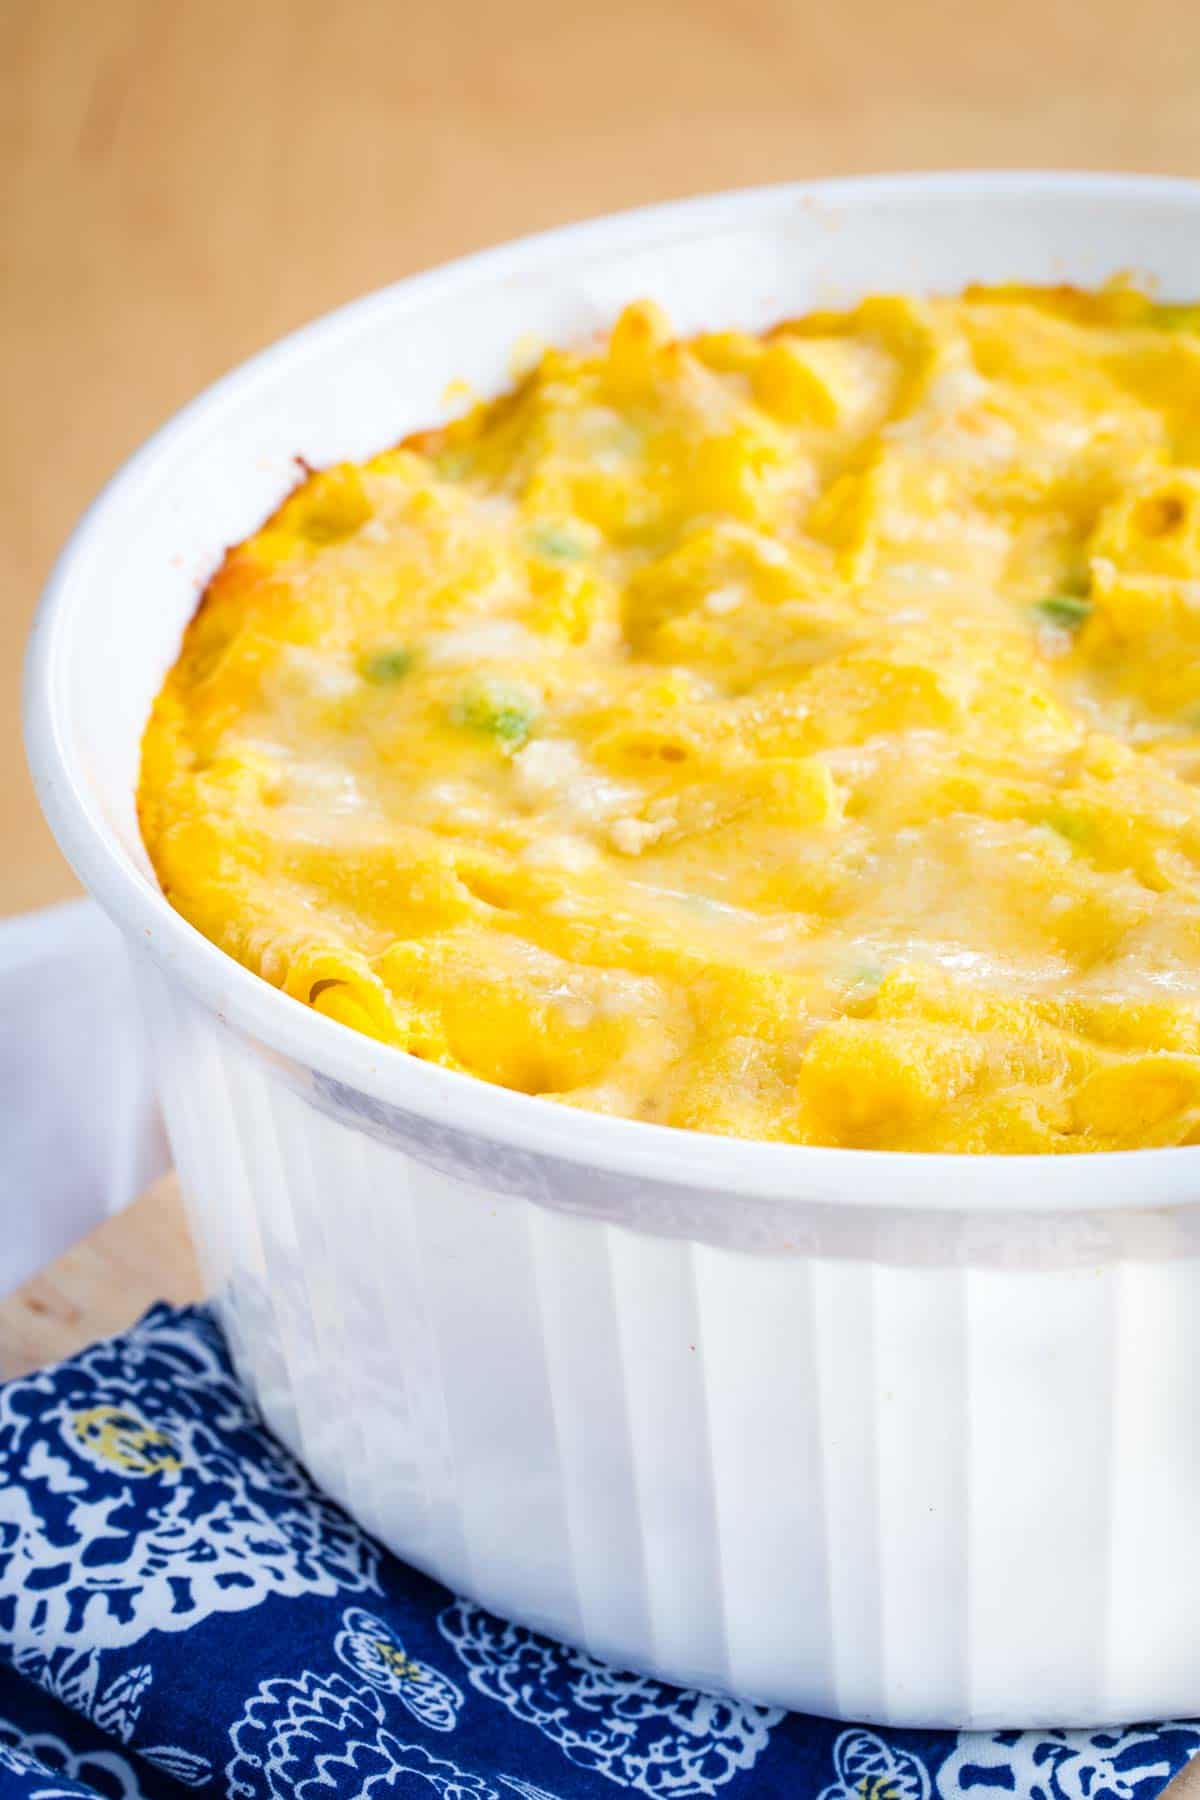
<point x="181" y="1611"/>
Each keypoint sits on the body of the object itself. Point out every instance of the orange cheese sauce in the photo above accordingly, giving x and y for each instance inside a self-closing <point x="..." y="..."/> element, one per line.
<point x="790" y="736"/>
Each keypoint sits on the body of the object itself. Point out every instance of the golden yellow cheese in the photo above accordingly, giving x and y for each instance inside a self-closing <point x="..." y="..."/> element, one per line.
<point x="791" y="736"/>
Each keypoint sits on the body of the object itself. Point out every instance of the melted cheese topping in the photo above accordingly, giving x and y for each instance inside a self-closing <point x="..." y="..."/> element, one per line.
<point x="793" y="736"/>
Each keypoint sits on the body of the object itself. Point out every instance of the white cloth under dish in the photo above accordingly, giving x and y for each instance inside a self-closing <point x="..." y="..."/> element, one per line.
<point x="79" y="1125"/>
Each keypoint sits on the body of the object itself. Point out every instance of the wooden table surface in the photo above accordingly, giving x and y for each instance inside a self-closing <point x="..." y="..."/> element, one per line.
<point x="183" y="180"/>
<point x="102" y="1284"/>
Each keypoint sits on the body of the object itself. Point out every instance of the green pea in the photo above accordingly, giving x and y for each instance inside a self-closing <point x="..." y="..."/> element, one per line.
<point x="1066" y="611"/>
<point x="383" y="666"/>
<point x="1070" y="825"/>
<point x="1175" y="318"/>
<point x="496" y="709"/>
<point x="558" y="542"/>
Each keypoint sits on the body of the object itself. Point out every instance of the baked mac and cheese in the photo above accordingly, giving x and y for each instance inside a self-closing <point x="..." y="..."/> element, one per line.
<point x="793" y="736"/>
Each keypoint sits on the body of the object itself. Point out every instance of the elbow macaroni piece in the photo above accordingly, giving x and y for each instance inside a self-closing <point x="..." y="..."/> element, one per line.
<point x="792" y="736"/>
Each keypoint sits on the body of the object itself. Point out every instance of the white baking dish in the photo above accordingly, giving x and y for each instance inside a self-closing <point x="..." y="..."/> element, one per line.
<point x="899" y="1438"/>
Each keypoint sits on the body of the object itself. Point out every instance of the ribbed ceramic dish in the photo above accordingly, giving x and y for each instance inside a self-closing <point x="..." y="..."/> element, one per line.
<point x="897" y="1438"/>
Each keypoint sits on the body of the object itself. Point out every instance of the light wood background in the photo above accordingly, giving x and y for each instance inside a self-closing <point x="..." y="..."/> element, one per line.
<point x="183" y="180"/>
<point x="102" y="1284"/>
